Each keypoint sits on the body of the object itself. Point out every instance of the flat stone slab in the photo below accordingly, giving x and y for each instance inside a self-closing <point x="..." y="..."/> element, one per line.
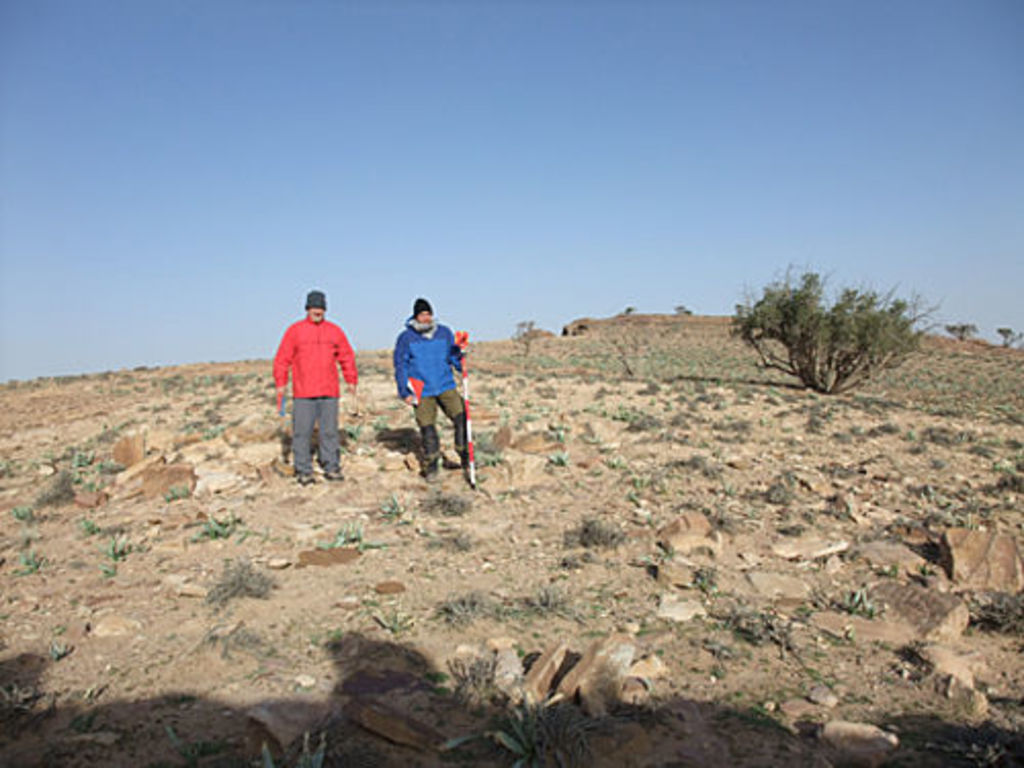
<point x="983" y="561"/>
<point x="860" y="744"/>
<point x="933" y="615"/>
<point x="680" y="609"/>
<point x="393" y="725"/>
<point x="886" y="554"/>
<point x="860" y="629"/>
<point x="808" y="549"/>
<point x="773" y="585"/>
<point x="336" y="556"/>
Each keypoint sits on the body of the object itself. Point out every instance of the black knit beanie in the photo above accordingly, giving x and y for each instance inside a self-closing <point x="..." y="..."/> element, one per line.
<point x="316" y="300"/>
<point x="421" y="305"/>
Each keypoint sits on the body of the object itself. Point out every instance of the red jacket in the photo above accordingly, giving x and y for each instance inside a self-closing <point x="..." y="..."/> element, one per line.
<point x="313" y="350"/>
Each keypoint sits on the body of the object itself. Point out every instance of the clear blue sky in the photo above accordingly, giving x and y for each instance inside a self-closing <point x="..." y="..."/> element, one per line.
<point x="175" y="175"/>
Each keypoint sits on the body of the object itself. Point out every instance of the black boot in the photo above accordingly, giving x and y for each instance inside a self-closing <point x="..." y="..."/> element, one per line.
<point x="431" y="451"/>
<point x="461" y="443"/>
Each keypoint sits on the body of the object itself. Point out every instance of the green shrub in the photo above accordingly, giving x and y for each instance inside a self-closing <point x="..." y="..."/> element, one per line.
<point x="830" y="349"/>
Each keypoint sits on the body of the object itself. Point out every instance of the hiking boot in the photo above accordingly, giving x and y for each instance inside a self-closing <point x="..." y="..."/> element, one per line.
<point x="431" y="451"/>
<point x="305" y="479"/>
<point x="334" y="476"/>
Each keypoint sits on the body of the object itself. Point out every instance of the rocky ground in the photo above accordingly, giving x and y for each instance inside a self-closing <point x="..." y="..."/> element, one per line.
<point x="672" y="558"/>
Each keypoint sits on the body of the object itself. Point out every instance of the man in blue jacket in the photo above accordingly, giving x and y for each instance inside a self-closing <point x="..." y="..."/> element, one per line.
<point x="425" y="354"/>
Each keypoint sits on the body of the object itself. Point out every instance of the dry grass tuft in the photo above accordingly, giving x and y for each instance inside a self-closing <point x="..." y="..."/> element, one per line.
<point x="594" y="533"/>
<point x="239" y="579"/>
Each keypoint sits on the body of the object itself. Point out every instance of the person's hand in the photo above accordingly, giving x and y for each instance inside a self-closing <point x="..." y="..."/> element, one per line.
<point x="409" y="400"/>
<point x="352" y="389"/>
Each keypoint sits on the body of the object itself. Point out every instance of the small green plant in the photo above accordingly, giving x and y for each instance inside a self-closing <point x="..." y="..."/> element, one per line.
<point x="117" y="548"/>
<point x="88" y="527"/>
<point x="393" y="509"/>
<point x="349" y="535"/>
<point x="109" y="570"/>
<point x="214" y="529"/>
<point x="177" y="492"/>
<point x="559" y="459"/>
<point x="23" y="514"/>
<point x="30" y="563"/>
<point x="307" y="759"/>
<point x="858" y="603"/>
<point x="353" y="432"/>
<point x="59" y="650"/>
<point x="394" y="621"/>
<point x="82" y="459"/>
<point x="705" y="579"/>
<point x="538" y="735"/>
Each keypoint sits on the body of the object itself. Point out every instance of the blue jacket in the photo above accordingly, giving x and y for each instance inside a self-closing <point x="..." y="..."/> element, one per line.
<point x="429" y="360"/>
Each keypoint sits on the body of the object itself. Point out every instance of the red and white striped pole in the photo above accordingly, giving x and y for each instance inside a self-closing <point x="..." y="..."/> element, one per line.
<point x="462" y="340"/>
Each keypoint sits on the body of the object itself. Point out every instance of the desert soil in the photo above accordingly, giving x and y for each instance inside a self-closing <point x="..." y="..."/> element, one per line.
<point x="769" y="560"/>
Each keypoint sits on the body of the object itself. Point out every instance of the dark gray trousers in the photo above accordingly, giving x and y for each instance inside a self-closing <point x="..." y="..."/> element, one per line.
<point x="305" y="412"/>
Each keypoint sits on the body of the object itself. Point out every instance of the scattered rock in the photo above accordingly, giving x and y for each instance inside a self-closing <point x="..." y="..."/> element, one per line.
<point x="538" y="680"/>
<point x="798" y="709"/>
<point x="114" y="625"/>
<point x="508" y="673"/>
<point x="181" y="586"/>
<point x="130" y="449"/>
<point x="863" y="630"/>
<point x="823" y="696"/>
<point x="259" y="454"/>
<point x="336" y="556"/>
<point x="649" y="668"/>
<point x="211" y="483"/>
<point x="687" y="532"/>
<point x="393" y="462"/>
<point x="886" y="554"/>
<point x="392" y="725"/>
<point x="973" y="703"/>
<point x="90" y="499"/>
<point x="103" y="738"/>
<point x="947" y="662"/>
<point x="859" y="744"/>
<point x="680" y="609"/>
<point x="982" y="561"/>
<point x="934" y="616"/>
<point x="278" y="563"/>
<point x="598" y="675"/>
<point x="808" y="549"/>
<point x="286" y="721"/>
<point x="776" y="585"/>
<point x="305" y="681"/>
<point x="389" y="588"/>
<point x="635" y="691"/>
<point x="158" y="480"/>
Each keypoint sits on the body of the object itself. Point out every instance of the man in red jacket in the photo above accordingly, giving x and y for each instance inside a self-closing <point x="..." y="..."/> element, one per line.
<point x="314" y="348"/>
